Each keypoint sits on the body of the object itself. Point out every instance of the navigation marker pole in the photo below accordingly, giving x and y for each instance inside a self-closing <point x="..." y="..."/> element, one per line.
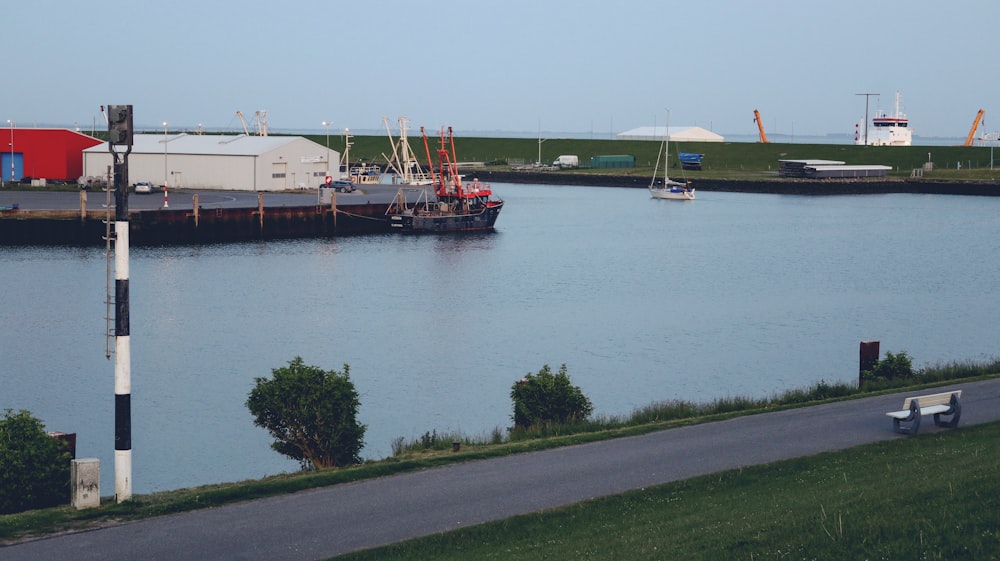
<point x="120" y="134"/>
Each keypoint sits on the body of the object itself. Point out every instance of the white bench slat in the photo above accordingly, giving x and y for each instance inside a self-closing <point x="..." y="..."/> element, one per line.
<point x="934" y="404"/>
<point x="923" y="411"/>
<point x="932" y="399"/>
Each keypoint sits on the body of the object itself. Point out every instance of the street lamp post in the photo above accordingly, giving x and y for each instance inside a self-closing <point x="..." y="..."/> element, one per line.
<point x="11" y="123"/>
<point x="166" y="202"/>
<point x="164" y="154"/>
<point x="327" y="125"/>
<point x="540" y="141"/>
<point x="867" y="97"/>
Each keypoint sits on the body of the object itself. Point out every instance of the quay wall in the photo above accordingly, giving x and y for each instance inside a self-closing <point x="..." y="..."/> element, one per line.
<point x="184" y="226"/>
<point x="764" y="185"/>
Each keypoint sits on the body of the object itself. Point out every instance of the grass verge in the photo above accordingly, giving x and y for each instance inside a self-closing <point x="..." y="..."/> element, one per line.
<point x="418" y="455"/>
<point x="931" y="497"/>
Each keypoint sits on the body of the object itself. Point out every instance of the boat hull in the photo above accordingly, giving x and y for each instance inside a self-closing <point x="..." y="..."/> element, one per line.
<point x="677" y="194"/>
<point x="432" y="221"/>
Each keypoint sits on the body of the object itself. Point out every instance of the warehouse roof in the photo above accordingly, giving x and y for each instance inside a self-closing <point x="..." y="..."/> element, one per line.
<point x="204" y="144"/>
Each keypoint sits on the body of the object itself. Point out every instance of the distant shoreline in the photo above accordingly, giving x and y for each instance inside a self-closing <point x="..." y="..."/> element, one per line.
<point x="763" y="186"/>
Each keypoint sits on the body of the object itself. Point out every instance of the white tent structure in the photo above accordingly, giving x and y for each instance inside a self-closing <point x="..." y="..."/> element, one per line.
<point x="677" y="134"/>
<point x="226" y="162"/>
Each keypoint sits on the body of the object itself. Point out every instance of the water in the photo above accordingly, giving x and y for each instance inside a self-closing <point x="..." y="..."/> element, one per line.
<point x="644" y="300"/>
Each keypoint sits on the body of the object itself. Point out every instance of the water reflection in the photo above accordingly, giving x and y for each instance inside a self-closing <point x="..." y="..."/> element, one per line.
<point x="643" y="300"/>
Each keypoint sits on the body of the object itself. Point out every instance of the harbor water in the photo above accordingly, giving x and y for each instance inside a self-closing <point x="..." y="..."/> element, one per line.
<point x="644" y="300"/>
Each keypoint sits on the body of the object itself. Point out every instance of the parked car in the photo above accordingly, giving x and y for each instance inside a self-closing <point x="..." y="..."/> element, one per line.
<point x="341" y="186"/>
<point x="144" y="187"/>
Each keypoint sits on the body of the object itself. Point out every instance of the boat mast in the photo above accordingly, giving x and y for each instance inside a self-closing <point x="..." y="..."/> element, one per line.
<point x="430" y="162"/>
<point x="666" y="150"/>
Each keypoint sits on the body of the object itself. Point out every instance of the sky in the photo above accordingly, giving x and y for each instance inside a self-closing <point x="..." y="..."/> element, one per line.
<point x="584" y="69"/>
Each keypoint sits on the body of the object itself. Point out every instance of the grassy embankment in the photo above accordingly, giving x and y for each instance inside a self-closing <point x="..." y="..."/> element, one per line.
<point x="929" y="497"/>
<point x="422" y="455"/>
<point x="723" y="160"/>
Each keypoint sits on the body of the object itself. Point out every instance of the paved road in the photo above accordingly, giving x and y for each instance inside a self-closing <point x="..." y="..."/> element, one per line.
<point x="325" y="522"/>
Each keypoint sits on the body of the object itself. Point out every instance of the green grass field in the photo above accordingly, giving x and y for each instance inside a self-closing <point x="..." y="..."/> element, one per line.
<point x="722" y="159"/>
<point x="935" y="496"/>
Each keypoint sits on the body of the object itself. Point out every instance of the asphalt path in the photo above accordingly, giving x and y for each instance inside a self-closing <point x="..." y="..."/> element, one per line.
<point x="322" y="523"/>
<point x="184" y="198"/>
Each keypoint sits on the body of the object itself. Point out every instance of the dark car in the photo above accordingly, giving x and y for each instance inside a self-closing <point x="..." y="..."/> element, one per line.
<point x="342" y="186"/>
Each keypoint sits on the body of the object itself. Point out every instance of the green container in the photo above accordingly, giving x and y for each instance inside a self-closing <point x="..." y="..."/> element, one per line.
<point x="620" y="161"/>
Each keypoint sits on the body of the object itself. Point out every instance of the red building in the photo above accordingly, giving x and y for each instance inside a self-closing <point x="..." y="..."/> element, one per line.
<point x="50" y="154"/>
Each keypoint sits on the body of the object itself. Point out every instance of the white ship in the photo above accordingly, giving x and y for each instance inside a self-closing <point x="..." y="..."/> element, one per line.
<point x="885" y="130"/>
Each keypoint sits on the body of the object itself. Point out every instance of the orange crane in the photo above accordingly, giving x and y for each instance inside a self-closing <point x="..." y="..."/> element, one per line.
<point x="760" y="126"/>
<point x="975" y="125"/>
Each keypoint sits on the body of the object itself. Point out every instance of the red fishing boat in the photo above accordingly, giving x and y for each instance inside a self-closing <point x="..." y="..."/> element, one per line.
<point x="457" y="206"/>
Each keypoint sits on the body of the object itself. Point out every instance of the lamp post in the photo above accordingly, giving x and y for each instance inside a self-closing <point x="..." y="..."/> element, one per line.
<point x="11" y="123"/>
<point x="166" y="202"/>
<point x="327" y="125"/>
<point x="164" y="154"/>
<point x="540" y="141"/>
<point x="867" y="97"/>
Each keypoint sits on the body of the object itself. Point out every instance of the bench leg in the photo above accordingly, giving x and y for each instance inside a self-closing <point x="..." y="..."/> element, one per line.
<point x="955" y="413"/>
<point x="912" y="422"/>
<point x="910" y="428"/>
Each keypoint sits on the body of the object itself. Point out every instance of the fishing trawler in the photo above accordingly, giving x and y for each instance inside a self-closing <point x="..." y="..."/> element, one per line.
<point x="458" y="206"/>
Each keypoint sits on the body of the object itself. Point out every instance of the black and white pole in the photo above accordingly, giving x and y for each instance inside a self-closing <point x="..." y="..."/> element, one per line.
<point x="120" y="134"/>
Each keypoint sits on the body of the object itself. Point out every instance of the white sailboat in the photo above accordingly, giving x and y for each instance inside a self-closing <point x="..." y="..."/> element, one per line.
<point x="667" y="188"/>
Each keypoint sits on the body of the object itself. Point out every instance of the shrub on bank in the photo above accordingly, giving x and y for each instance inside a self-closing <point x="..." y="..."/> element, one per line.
<point x="547" y="399"/>
<point x="34" y="467"/>
<point x="895" y="371"/>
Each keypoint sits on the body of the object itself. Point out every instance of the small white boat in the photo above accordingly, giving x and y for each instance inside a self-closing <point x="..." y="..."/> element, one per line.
<point x="360" y="174"/>
<point x="672" y="190"/>
<point x="667" y="188"/>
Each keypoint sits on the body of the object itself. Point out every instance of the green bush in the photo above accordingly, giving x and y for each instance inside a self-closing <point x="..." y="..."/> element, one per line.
<point x="545" y="399"/>
<point x="311" y="413"/>
<point x="891" y="368"/>
<point x="34" y="467"/>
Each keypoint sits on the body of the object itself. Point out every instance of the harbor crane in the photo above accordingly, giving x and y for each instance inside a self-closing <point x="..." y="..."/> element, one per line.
<point x="760" y="127"/>
<point x="975" y="125"/>
<point x="239" y="114"/>
<point x="261" y="117"/>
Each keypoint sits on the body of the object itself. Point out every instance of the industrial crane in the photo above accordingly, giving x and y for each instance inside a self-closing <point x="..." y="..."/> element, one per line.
<point x="261" y="117"/>
<point x="975" y="125"/>
<point x="760" y="126"/>
<point x="246" y="131"/>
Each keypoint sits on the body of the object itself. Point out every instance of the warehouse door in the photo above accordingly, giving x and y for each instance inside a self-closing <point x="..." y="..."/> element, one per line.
<point x="279" y="176"/>
<point x="8" y="172"/>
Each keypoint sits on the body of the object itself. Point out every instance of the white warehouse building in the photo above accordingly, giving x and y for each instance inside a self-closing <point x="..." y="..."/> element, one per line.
<point x="227" y="162"/>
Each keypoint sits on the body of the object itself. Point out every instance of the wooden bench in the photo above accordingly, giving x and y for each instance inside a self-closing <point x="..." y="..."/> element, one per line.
<point x="938" y="404"/>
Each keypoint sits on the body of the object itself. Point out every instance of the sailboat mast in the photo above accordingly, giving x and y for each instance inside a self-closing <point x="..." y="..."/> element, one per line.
<point x="666" y="149"/>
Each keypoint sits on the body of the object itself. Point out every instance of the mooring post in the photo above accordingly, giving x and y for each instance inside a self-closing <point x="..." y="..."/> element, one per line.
<point x="868" y="358"/>
<point x="260" y="209"/>
<point x="83" y="205"/>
